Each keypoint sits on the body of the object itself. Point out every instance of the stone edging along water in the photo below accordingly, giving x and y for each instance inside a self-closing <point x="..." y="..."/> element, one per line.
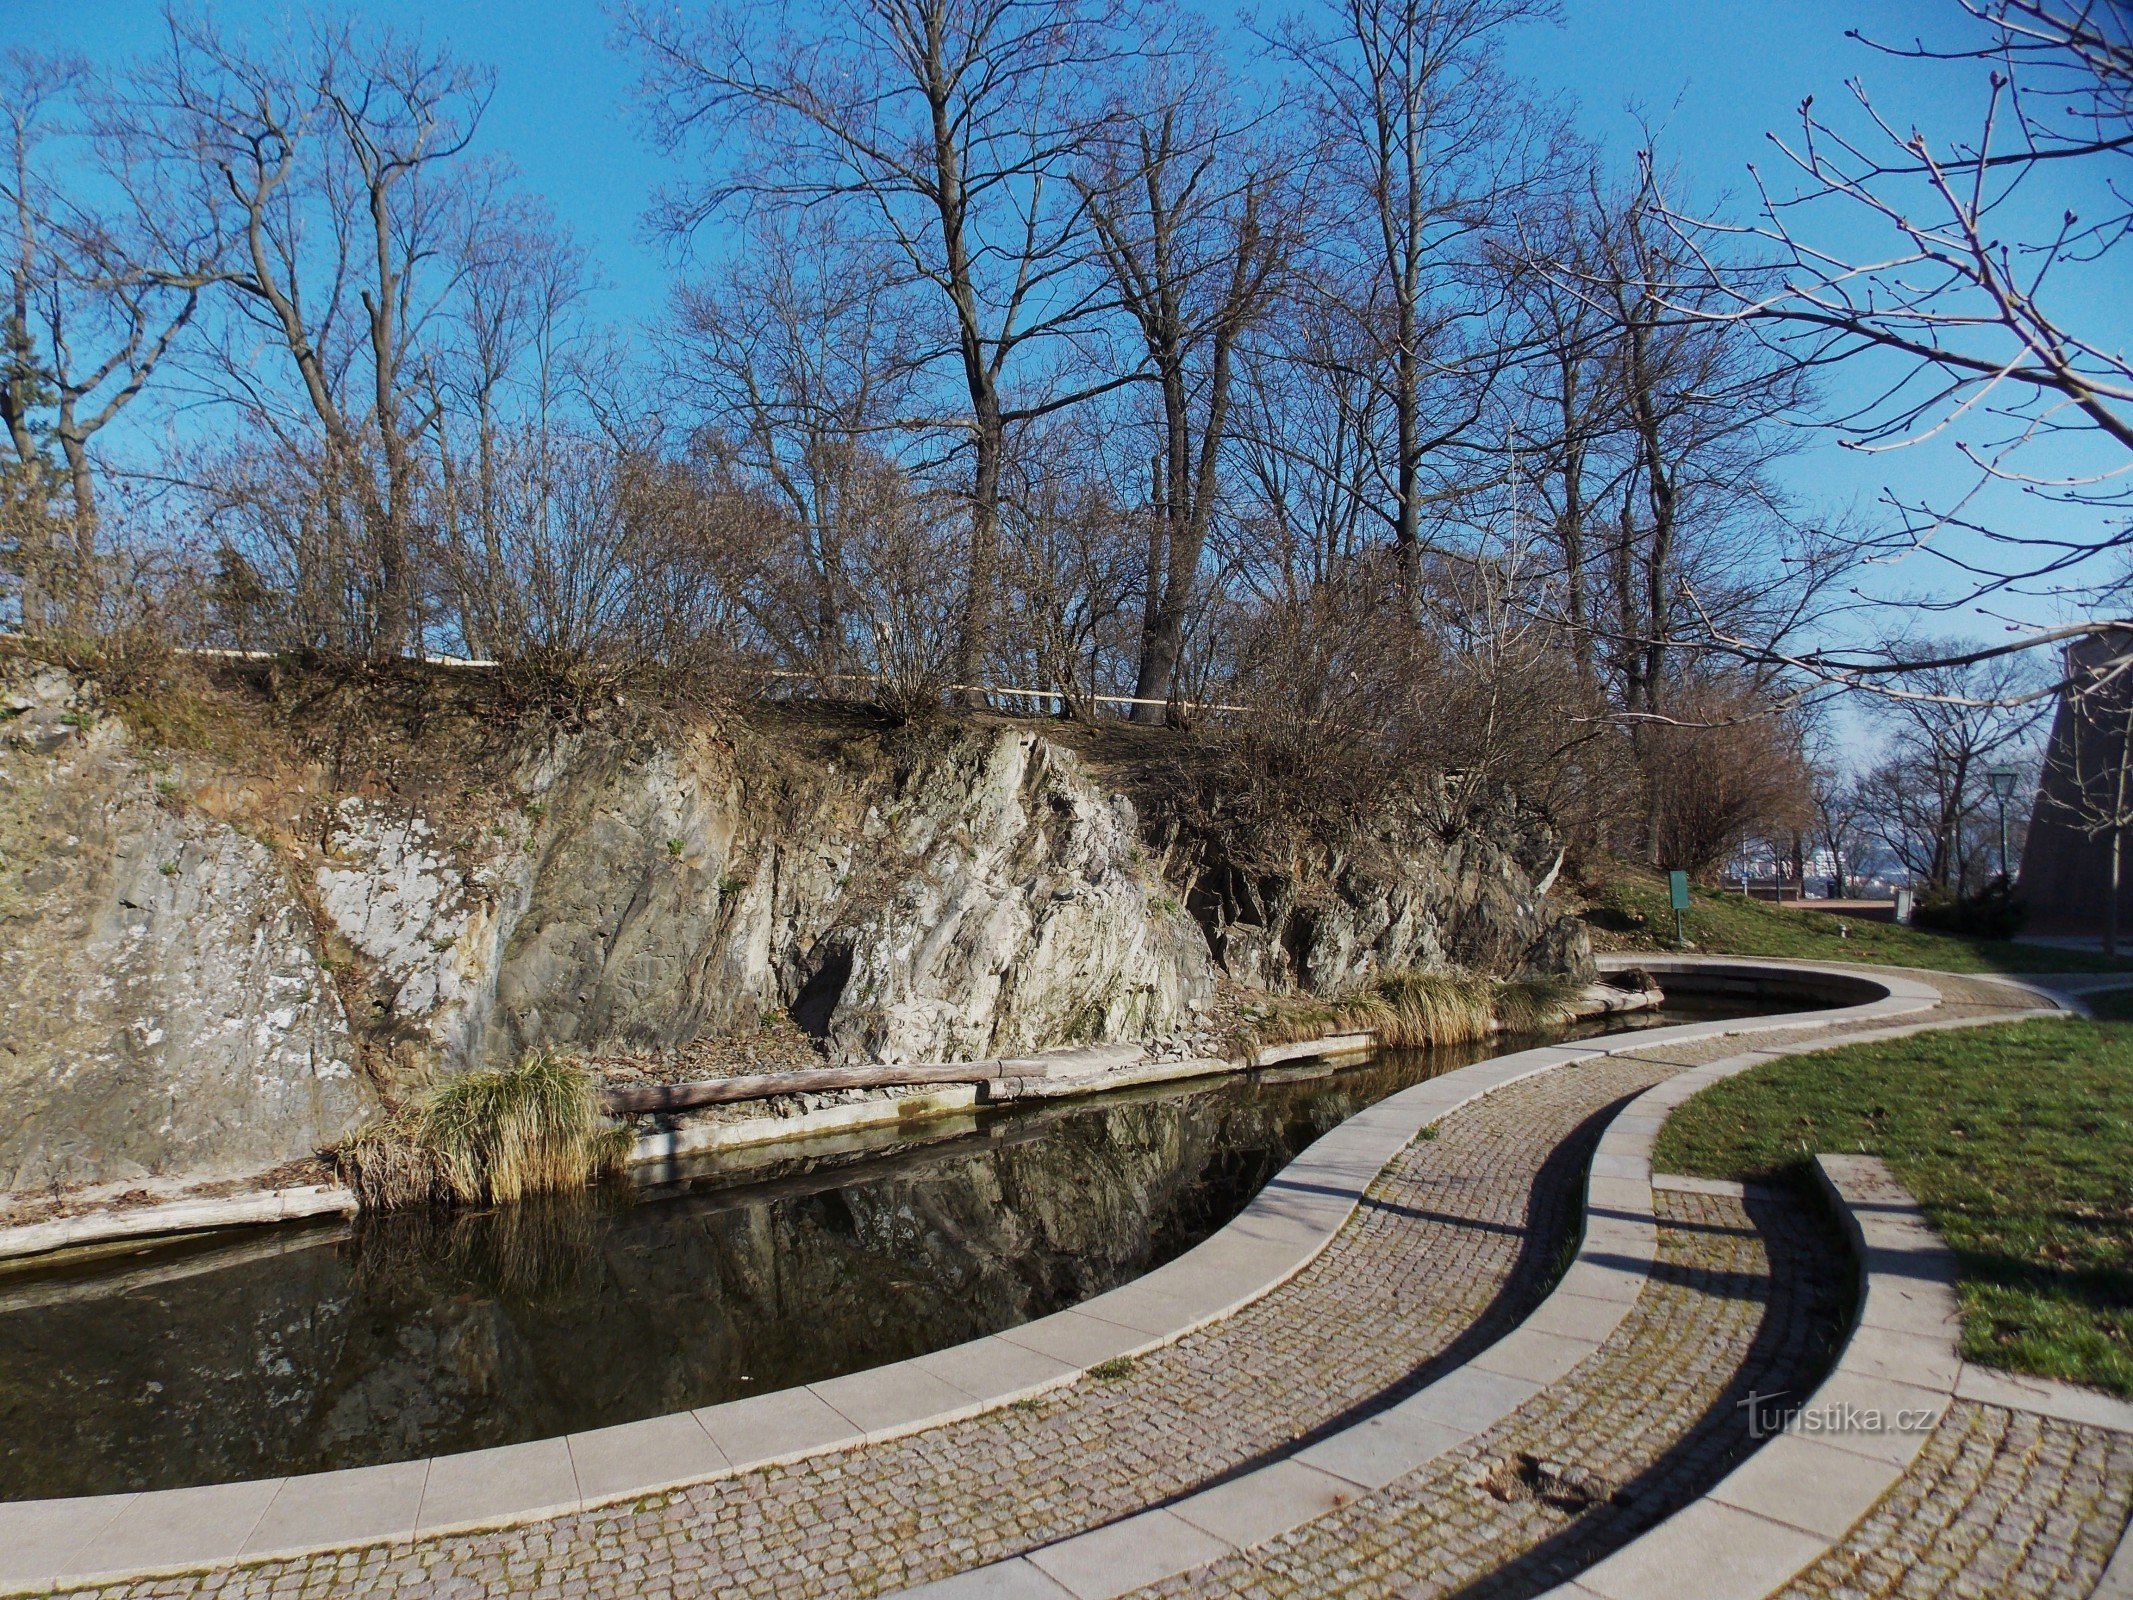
<point x="53" y="1543"/>
<point x="177" y="1216"/>
<point x="1798" y="1496"/>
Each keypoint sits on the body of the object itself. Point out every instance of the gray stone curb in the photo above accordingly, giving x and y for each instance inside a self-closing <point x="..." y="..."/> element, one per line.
<point x="1614" y="1259"/>
<point x="2068" y="1402"/>
<point x="46" y="1544"/>
<point x="2117" y="1580"/>
<point x="1052" y="1074"/>
<point x="1613" y="1263"/>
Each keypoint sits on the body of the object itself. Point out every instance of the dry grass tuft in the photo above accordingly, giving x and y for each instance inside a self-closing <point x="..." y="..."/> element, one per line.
<point x="488" y="1138"/>
<point x="1409" y="1010"/>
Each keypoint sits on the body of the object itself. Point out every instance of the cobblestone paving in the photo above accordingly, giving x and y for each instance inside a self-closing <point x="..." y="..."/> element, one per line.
<point x="2000" y="1505"/>
<point x="1744" y="1297"/>
<point x="1455" y="1244"/>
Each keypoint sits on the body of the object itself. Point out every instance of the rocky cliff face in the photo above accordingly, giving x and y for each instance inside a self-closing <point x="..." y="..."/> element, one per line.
<point x="191" y="998"/>
<point x="972" y="895"/>
<point x="162" y="1002"/>
<point x="1417" y="890"/>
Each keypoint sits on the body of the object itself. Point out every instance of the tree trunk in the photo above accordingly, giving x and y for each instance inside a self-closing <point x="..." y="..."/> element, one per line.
<point x="2110" y="916"/>
<point x="1572" y="531"/>
<point x="81" y="480"/>
<point x="1162" y="639"/>
<point x="974" y="633"/>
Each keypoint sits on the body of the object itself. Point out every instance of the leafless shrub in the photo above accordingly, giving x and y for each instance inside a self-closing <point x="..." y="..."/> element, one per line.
<point x="1726" y="771"/>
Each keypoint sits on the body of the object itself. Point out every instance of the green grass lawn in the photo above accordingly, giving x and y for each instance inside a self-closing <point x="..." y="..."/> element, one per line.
<point x="1629" y="912"/>
<point x="2018" y="1141"/>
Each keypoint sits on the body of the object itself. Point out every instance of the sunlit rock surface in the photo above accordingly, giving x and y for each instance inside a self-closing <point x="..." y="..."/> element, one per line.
<point x="194" y="995"/>
<point x="162" y="1003"/>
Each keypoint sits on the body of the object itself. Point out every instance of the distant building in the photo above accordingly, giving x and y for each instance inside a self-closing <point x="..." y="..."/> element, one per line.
<point x="2066" y="872"/>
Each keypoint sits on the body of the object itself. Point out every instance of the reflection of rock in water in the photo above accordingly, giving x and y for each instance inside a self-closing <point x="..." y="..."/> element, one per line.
<point x="423" y="1334"/>
<point x="216" y="1376"/>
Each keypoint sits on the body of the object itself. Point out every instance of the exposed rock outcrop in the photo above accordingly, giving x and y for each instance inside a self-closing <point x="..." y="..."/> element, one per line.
<point x="634" y="884"/>
<point x="973" y="895"/>
<point x="162" y="1002"/>
<point x="1418" y="890"/>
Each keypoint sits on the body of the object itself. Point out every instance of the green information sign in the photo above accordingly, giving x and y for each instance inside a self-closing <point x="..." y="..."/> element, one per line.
<point x="1677" y="889"/>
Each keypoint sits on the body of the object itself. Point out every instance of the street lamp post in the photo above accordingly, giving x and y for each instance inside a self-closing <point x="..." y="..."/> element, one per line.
<point x="2002" y="782"/>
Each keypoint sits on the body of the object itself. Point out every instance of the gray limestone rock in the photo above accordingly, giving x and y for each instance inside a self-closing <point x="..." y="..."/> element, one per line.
<point x="954" y="892"/>
<point x="162" y="1004"/>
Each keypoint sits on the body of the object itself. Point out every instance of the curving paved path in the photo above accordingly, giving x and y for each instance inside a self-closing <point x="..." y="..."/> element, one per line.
<point x="1746" y="1296"/>
<point x="1456" y="1242"/>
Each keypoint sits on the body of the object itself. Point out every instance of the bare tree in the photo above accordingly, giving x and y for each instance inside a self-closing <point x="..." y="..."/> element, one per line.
<point x="1073" y="568"/>
<point x="1698" y="409"/>
<point x="1975" y="321"/>
<point x="1308" y="440"/>
<point x="1930" y="785"/>
<point x="946" y="129"/>
<point x="1425" y="140"/>
<point x="800" y="355"/>
<point x="1727" y="772"/>
<point x="340" y="170"/>
<point x="1196" y="230"/>
<point x="501" y="387"/>
<point x="1570" y="408"/>
<point x="96" y="295"/>
<point x="1840" y="815"/>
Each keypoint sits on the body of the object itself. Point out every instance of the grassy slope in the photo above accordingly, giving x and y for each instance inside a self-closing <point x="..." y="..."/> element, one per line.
<point x="1629" y="911"/>
<point x="2018" y="1141"/>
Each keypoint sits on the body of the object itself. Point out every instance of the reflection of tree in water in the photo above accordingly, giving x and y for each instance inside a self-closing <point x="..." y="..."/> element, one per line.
<point x="432" y="1332"/>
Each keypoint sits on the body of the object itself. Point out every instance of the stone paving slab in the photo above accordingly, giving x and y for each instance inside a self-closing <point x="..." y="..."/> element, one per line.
<point x="1790" y="1502"/>
<point x="1999" y="1505"/>
<point x="2068" y="1402"/>
<point x="1274" y="1499"/>
<point x="1754" y="1531"/>
<point x="1985" y="1500"/>
<point x="334" y="1508"/>
<point x="209" y="1523"/>
<point x="38" y="1538"/>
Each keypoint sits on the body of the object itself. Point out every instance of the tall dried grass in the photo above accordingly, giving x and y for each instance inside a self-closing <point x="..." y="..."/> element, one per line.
<point x="1409" y="1010"/>
<point x="488" y="1138"/>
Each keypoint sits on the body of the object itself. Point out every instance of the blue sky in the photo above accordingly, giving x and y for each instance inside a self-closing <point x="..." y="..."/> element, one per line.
<point x="1714" y="75"/>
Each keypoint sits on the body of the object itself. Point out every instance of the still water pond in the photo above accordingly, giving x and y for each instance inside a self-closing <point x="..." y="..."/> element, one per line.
<point x="302" y="1349"/>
